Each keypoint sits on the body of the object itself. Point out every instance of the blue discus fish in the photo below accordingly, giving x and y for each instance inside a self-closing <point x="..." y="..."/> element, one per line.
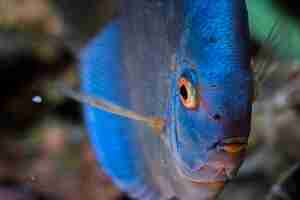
<point x="173" y="86"/>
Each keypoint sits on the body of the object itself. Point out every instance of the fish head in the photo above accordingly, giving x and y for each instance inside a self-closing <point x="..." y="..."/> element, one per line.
<point x="212" y="92"/>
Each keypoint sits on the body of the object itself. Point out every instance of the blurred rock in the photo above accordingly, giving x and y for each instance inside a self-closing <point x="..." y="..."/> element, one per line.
<point x="34" y="15"/>
<point x="13" y="190"/>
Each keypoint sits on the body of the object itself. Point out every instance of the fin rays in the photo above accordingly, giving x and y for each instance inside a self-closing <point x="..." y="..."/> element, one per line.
<point x="154" y="122"/>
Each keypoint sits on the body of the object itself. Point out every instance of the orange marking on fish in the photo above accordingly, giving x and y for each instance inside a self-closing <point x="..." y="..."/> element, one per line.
<point x="214" y="185"/>
<point x="234" y="148"/>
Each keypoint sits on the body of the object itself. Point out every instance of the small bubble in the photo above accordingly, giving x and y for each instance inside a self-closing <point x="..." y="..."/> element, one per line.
<point x="37" y="99"/>
<point x="33" y="178"/>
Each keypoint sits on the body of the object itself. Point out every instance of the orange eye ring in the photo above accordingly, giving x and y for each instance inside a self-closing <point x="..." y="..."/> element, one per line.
<point x="188" y="94"/>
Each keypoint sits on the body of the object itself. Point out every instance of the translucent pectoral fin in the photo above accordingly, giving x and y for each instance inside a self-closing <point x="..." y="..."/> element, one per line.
<point x="154" y="122"/>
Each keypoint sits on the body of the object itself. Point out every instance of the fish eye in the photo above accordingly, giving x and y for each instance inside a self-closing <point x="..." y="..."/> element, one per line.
<point x="188" y="94"/>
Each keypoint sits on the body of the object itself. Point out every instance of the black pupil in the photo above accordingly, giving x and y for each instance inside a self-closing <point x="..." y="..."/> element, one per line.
<point x="217" y="117"/>
<point x="184" y="92"/>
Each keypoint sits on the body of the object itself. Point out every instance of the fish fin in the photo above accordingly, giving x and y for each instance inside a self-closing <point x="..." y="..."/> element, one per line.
<point x="273" y="58"/>
<point x="156" y="123"/>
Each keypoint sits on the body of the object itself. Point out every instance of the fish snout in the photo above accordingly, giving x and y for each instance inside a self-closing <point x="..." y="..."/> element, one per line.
<point x="227" y="156"/>
<point x="224" y="160"/>
<point x="233" y="145"/>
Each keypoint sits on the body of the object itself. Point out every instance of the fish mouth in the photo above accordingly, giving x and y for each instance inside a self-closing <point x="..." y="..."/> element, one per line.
<point x="233" y="145"/>
<point x="223" y="162"/>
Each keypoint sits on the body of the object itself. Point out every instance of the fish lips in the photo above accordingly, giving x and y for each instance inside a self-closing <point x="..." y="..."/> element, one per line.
<point x="224" y="159"/>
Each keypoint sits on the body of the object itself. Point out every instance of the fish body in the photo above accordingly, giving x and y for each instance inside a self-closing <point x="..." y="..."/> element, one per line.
<point x="188" y="63"/>
<point x="113" y="137"/>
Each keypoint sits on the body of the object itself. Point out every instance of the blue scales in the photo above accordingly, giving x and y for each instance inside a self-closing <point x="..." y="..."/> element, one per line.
<point x="186" y="63"/>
